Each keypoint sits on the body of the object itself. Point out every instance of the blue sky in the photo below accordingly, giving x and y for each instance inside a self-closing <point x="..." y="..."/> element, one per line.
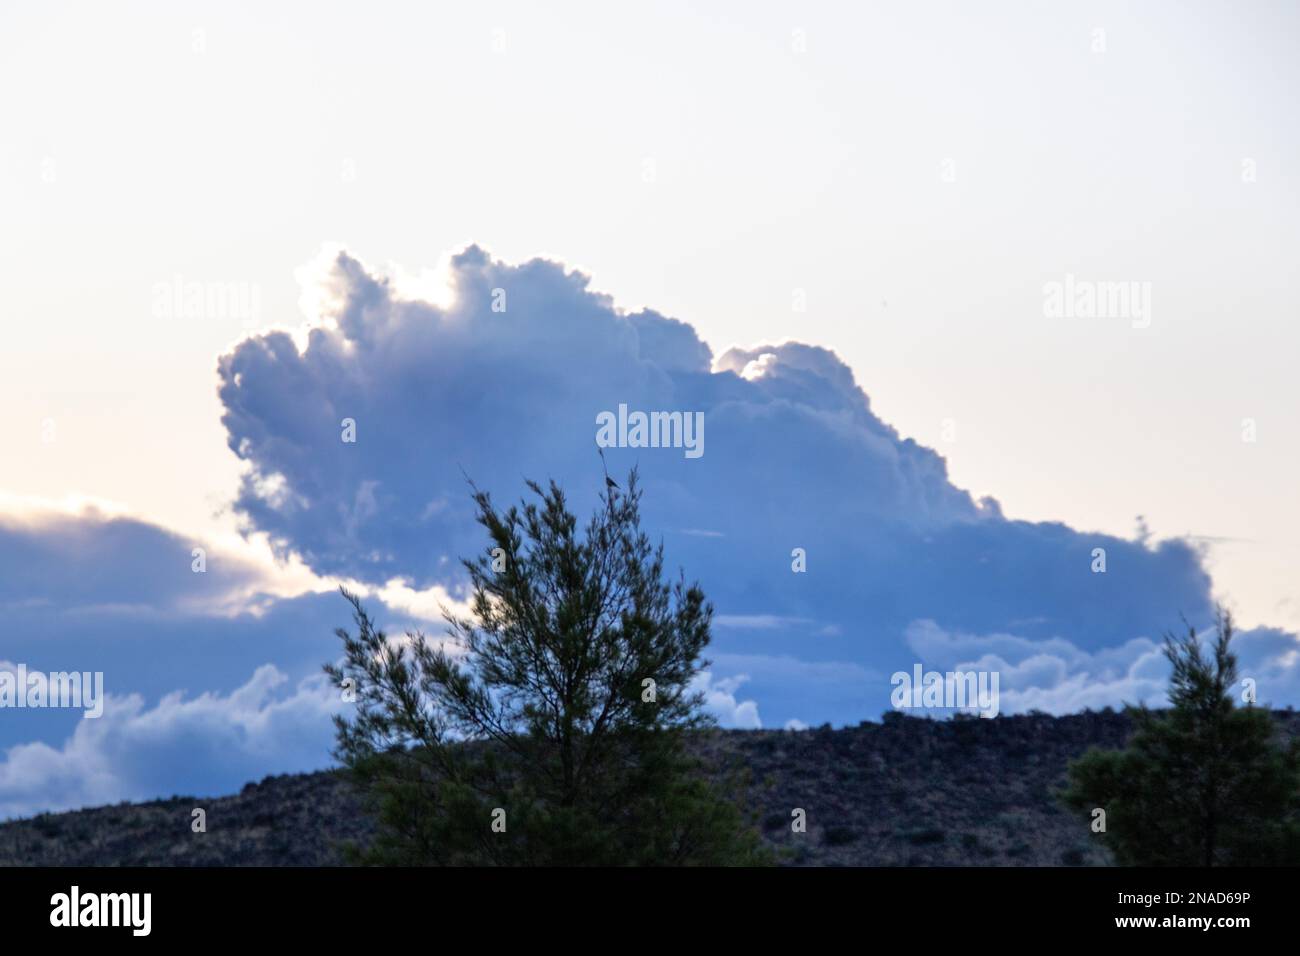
<point x="829" y="229"/>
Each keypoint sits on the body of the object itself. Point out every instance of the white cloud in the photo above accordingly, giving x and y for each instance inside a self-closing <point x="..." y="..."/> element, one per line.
<point x="450" y="386"/>
<point x="196" y="746"/>
<point x="720" y="700"/>
<point x="1057" y="677"/>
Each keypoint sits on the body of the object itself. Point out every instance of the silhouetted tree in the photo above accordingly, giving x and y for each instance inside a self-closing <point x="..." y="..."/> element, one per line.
<point x="550" y="726"/>
<point x="1204" y="783"/>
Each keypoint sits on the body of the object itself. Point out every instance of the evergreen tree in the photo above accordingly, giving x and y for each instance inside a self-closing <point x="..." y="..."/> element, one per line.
<point x="1204" y="783"/>
<point x="551" y="727"/>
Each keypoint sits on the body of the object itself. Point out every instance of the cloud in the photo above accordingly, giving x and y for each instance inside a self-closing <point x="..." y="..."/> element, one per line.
<point x="441" y="390"/>
<point x="795" y="458"/>
<point x="88" y="561"/>
<point x="207" y="745"/>
<point x="1057" y="677"/>
<point x="720" y="700"/>
<point x="109" y="600"/>
<point x="1051" y="675"/>
<point x="86" y="590"/>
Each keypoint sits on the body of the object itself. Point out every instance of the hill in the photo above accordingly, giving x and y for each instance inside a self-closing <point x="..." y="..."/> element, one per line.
<point x="904" y="792"/>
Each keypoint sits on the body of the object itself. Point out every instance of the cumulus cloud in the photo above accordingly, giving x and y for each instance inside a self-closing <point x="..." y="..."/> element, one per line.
<point x="437" y="390"/>
<point x="720" y="700"/>
<point x="206" y="745"/>
<point x="1053" y="675"/>
<point x="506" y="378"/>
<point x="1057" y="677"/>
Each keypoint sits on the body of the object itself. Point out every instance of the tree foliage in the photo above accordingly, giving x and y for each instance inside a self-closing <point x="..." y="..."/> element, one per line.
<point x="1204" y="783"/>
<point x="550" y="725"/>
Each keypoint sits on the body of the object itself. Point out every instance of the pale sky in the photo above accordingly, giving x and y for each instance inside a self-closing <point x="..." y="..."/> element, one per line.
<point x="914" y="172"/>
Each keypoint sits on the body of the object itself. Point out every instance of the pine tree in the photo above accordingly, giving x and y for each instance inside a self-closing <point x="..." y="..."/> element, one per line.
<point x="1204" y="783"/>
<point x="551" y="726"/>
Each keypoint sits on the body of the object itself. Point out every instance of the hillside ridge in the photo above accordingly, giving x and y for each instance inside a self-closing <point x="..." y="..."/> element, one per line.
<point x="906" y="791"/>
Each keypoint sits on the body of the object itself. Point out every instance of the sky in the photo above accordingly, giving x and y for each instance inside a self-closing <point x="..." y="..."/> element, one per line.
<point x="831" y="228"/>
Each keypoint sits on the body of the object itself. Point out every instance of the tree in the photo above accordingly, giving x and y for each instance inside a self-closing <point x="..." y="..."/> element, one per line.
<point x="551" y="725"/>
<point x="1204" y="783"/>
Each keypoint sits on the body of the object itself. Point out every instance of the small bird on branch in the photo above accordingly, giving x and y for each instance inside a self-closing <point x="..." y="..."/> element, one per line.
<point x="609" y="482"/>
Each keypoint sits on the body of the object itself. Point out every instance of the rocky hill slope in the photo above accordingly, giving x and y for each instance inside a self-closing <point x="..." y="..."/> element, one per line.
<point x="905" y="792"/>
